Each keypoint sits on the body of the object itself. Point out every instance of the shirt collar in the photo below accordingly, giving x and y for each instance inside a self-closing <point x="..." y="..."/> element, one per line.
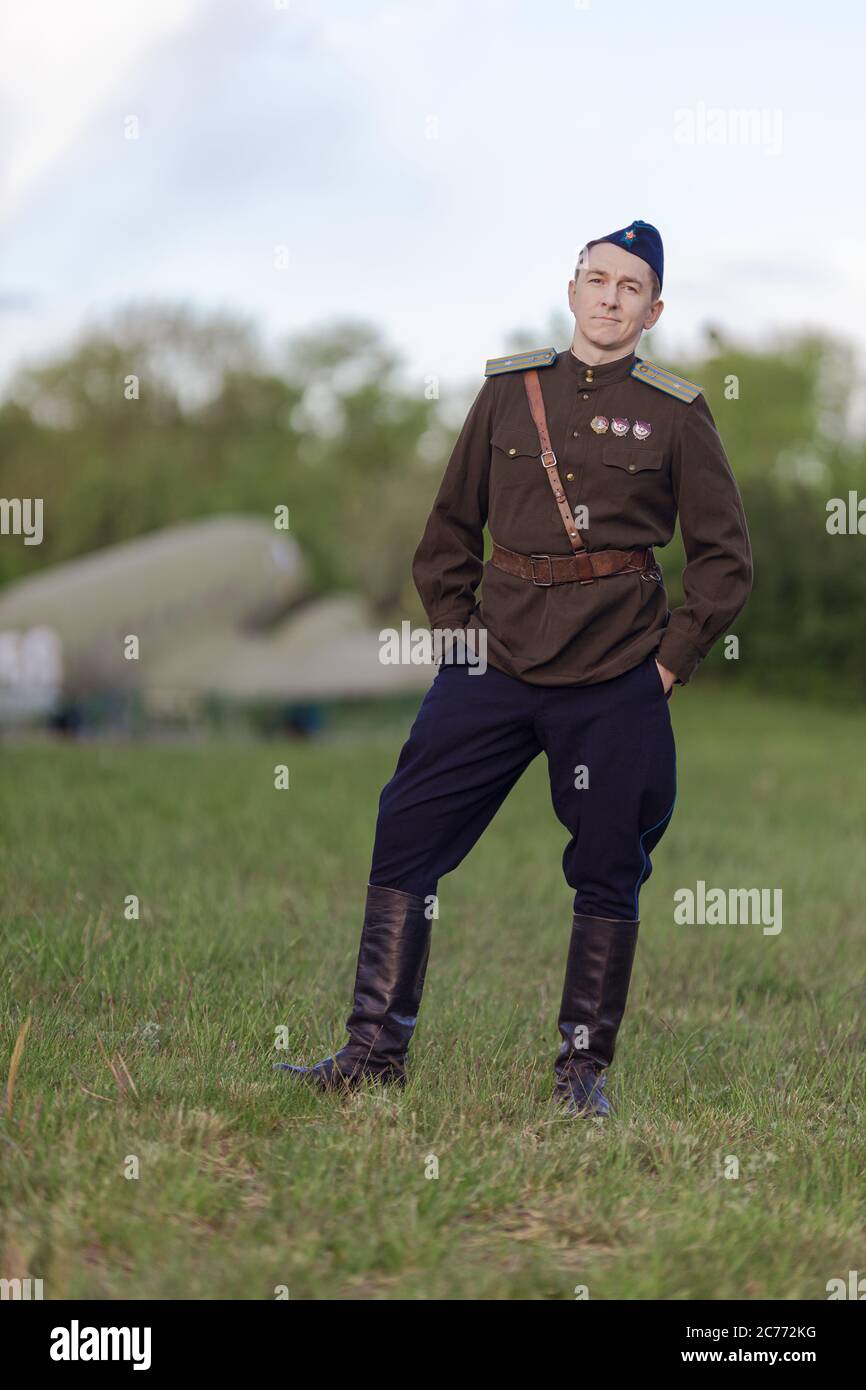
<point x="590" y="377"/>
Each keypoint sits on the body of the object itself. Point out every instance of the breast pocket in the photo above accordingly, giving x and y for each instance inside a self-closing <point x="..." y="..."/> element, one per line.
<point x="633" y="460"/>
<point x="514" y="456"/>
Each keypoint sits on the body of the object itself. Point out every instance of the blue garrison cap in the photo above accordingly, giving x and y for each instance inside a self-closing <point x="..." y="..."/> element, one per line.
<point x="641" y="239"/>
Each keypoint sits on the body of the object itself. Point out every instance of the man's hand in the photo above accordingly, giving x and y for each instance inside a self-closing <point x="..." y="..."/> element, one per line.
<point x="667" y="676"/>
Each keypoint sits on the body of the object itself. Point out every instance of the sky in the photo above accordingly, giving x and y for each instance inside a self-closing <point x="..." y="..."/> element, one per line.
<point x="430" y="166"/>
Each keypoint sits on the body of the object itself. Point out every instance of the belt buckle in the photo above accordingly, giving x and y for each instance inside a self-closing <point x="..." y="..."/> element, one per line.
<point x="548" y="453"/>
<point x="541" y="583"/>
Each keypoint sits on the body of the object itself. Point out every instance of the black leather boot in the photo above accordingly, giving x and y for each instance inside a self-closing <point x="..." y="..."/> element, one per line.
<point x="392" y="962"/>
<point x="600" y="957"/>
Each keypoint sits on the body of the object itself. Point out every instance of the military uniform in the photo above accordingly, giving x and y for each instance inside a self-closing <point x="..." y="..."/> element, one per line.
<point x="571" y="652"/>
<point x="632" y="486"/>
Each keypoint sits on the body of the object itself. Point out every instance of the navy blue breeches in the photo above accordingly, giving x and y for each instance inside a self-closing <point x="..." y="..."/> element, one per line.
<point x="612" y="766"/>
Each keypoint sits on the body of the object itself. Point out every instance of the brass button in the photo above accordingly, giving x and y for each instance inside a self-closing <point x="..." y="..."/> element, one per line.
<point x="631" y="468"/>
<point x="570" y="477"/>
<point x="589" y="373"/>
<point x="575" y="434"/>
<point x="512" y="452"/>
<point x="585" y="396"/>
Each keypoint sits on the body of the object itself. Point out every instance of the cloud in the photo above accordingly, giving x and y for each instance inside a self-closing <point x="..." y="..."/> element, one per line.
<point x="59" y="63"/>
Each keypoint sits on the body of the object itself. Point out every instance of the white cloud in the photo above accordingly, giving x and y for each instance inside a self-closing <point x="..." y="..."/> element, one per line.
<point x="307" y="126"/>
<point x="61" y="61"/>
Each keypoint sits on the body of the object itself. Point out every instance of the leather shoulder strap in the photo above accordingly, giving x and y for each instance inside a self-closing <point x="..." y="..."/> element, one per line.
<point x="548" y="459"/>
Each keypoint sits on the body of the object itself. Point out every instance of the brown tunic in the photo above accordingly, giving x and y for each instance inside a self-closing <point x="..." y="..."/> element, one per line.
<point x="578" y="634"/>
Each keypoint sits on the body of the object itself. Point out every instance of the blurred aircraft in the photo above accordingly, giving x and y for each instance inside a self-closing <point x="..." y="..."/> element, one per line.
<point x="220" y="608"/>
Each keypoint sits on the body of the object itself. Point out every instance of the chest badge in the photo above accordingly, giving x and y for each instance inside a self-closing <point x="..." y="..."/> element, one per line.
<point x="619" y="426"/>
<point x="599" y="424"/>
<point x="641" y="429"/>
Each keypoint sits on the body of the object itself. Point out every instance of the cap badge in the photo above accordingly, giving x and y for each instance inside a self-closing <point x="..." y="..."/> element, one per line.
<point x="641" y="429"/>
<point x="599" y="424"/>
<point x="619" y="426"/>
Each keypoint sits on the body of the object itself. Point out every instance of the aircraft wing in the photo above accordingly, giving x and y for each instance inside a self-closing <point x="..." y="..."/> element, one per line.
<point x="328" y="650"/>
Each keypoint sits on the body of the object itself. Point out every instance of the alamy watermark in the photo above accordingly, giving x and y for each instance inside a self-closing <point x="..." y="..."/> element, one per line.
<point x="22" y="516"/>
<point x="77" y="1343"/>
<point x="21" y="1290"/>
<point x="700" y="124"/>
<point x="716" y="907"/>
<point x="421" y="646"/>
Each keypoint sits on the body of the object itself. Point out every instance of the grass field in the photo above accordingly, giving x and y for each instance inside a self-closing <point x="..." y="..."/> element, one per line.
<point x="154" y="1038"/>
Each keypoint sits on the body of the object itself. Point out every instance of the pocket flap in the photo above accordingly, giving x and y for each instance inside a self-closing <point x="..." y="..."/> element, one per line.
<point x="633" y="460"/>
<point x="515" y="443"/>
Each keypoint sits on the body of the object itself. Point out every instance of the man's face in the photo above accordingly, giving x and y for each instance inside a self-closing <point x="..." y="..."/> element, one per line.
<point x="611" y="299"/>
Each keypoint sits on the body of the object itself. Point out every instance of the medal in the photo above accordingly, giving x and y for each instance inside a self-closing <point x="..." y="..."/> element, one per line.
<point x="619" y="426"/>
<point x="599" y="424"/>
<point x="641" y="429"/>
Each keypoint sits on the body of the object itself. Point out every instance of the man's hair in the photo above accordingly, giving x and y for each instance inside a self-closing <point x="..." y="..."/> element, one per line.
<point x="581" y="261"/>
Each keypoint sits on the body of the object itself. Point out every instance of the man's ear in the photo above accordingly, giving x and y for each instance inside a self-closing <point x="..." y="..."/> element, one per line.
<point x="571" y="290"/>
<point x="654" y="314"/>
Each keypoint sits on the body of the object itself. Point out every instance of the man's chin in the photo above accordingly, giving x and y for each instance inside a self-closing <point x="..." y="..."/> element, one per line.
<point x="607" y="341"/>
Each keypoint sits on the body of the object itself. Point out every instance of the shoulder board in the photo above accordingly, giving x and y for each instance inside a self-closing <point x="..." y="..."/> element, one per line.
<point x="664" y="380"/>
<point x="519" y="361"/>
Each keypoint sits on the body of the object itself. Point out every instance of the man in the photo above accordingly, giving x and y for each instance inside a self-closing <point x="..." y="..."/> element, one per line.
<point x="579" y="462"/>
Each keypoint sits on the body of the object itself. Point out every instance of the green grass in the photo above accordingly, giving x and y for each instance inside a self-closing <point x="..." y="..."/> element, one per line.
<point x="734" y="1043"/>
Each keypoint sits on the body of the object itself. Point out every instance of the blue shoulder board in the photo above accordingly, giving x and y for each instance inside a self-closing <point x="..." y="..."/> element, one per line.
<point x="664" y="380"/>
<point x="519" y="361"/>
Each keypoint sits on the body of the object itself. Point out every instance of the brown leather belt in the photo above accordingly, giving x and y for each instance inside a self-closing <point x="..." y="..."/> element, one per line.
<point x="583" y="567"/>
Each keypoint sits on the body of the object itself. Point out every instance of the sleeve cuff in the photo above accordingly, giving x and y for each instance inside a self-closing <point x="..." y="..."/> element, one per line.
<point x="679" y="656"/>
<point x="452" y="620"/>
